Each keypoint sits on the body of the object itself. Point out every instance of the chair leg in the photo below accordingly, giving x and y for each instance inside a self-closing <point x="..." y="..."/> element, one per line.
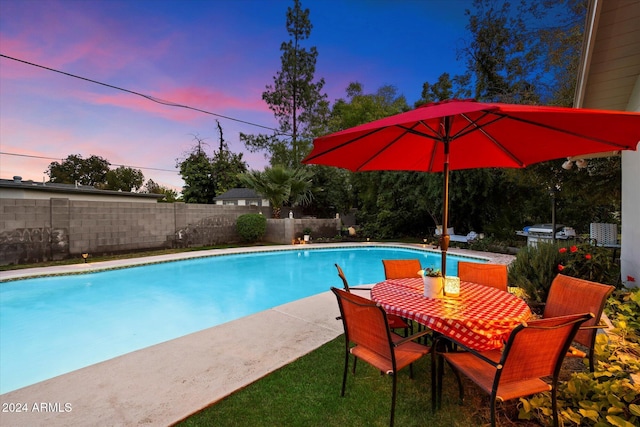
<point x="440" y="368"/>
<point x="592" y="366"/>
<point x="554" y="404"/>
<point x="344" y="375"/>
<point x="434" y="385"/>
<point x="493" y="410"/>
<point x="393" y="399"/>
<point x="460" y="386"/>
<point x="355" y="359"/>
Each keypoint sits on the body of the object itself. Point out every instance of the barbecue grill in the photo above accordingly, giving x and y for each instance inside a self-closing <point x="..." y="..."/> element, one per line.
<point x="543" y="233"/>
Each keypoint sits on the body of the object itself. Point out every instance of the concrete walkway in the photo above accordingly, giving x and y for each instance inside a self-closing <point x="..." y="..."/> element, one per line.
<point x="162" y="384"/>
<point x="165" y="383"/>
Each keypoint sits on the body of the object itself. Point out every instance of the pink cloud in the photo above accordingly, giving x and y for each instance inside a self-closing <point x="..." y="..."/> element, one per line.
<point x="200" y="98"/>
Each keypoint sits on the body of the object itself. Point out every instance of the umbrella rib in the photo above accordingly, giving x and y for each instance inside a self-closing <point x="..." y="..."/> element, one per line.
<point x="337" y="147"/>
<point x="473" y="125"/>
<point x="564" y="131"/>
<point x="479" y="128"/>
<point x="390" y="143"/>
<point x="436" y="137"/>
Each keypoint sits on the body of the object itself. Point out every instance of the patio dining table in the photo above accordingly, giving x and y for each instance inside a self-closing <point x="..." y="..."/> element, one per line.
<point x="480" y="318"/>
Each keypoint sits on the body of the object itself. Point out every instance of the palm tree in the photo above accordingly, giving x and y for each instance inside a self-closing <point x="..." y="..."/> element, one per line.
<point x="281" y="186"/>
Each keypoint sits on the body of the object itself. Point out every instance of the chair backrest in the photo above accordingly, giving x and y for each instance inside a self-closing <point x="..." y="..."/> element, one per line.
<point x="494" y="275"/>
<point x="401" y="268"/>
<point x="603" y="234"/>
<point x="365" y="323"/>
<point x="343" y="277"/>
<point x="570" y="295"/>
<point x="536" y="349"/>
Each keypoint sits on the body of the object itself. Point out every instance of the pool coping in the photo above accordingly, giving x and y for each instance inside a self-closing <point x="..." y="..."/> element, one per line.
<point x="90" y="267"/>
<point x="156" y="386"/>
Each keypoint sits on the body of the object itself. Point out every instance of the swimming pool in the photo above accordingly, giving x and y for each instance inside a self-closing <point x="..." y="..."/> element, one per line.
<point x="53" y="325"/>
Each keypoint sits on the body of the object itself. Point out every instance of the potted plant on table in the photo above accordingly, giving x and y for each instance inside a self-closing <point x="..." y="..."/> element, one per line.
<point x="433" y="282"/>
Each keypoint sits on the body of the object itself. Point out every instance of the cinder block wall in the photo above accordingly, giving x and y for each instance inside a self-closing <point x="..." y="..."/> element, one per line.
<point x="105" y="227"/>
<point x="25" y="231"/>
<point x="42" y="230"/>
<point x="287" y="229"/>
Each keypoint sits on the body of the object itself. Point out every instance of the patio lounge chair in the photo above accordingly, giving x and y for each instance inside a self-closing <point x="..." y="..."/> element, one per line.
<point x="570" y="295"/>
<point x="493" y="275"/>
<point x="368" y="337"/>
<point x="395" y="322"/>
<point x="453" y="237"/>
<point x="604" y="234"/>
<point x="535" y="350"/>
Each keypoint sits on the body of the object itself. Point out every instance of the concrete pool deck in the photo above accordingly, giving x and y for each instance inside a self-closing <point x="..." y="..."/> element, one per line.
<point x="162" y="384"/>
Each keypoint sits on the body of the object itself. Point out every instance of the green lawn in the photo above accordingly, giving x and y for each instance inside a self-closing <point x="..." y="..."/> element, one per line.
<point x="307" y="393"/>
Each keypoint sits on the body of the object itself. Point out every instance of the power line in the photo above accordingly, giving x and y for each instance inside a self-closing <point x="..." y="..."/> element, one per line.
<point x="112" y="164"/>
<point x="149" y="97"/>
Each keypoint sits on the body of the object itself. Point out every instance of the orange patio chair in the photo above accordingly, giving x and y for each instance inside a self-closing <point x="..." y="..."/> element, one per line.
<point x="368" y="337"/>
<point x="401" y="268"/>
<point x="395" y="322"/>
<point x="570" y="295"/>
<point x="493" y="275"/>
<point x="535" y="350"/>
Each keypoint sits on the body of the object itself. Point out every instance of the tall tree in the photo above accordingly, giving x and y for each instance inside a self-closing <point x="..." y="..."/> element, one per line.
<point x="444" y="88"/>
<point x="197" y="172"/>
<point x="91" y="171"/>
<point x="295" y="99"/>
<point x="359" y="107"/>
<point x="152" y="187"/>
<point x="226" y="166"/>
<point x="124" y="178"/>
<point x="561" y="45"/>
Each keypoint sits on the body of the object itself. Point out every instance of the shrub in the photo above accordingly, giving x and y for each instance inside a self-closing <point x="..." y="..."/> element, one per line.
<point x="534" y="269"/>
<point x="589" y="262"/>
<point x="251" y="227"/>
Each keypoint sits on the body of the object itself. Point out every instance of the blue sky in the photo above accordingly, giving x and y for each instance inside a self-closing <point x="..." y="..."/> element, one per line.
<point x="215" y="55"/>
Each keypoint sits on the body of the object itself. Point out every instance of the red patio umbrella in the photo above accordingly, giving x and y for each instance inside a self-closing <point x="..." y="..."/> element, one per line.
<point x="465" y="134"/>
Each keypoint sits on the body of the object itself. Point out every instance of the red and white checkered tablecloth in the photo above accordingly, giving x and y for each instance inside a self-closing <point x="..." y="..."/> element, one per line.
<point x="481" y="318"/>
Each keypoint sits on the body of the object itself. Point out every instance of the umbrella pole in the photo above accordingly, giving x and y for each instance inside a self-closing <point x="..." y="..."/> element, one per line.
<point x="444" y="244"/>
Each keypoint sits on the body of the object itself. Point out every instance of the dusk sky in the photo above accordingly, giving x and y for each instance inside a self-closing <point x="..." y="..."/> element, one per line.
<point x="214" y="55"/>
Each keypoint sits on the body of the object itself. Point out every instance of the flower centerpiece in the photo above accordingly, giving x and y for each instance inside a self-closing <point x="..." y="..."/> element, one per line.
<point x="433" y="282"/>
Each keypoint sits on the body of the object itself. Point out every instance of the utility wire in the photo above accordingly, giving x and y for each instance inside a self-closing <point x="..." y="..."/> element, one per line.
<point x="112" y="164"/>
<point x="149" y="97"/>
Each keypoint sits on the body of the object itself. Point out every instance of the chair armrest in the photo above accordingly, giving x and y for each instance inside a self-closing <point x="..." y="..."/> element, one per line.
<point x="599" y="326"/>
<point x="469" y="350"/>
<point x="358" y="288"/>
<point x="412" y="337"/>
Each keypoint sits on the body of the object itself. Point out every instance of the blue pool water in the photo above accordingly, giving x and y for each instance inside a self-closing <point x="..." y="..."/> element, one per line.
<point x="53" y="325"/>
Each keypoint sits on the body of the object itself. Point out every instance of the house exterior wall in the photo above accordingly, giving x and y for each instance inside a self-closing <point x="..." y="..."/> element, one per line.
<point x="42" y="193"/>
<point x="630" y="251"/>
<point x="243" y="202"/>
<point x="609" y="79"/>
